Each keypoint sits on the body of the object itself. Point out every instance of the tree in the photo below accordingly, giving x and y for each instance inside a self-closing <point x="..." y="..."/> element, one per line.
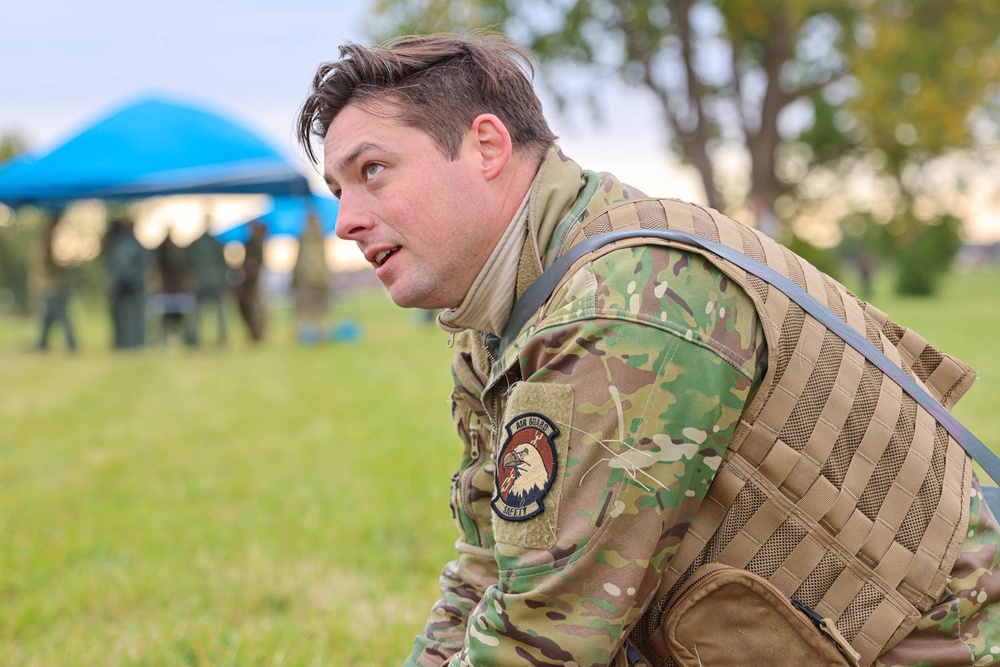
<point x="15" y="241"/>
<point x="804" y="87"/>
<point x="922" y="119"/>
<point x="11" y="145"/>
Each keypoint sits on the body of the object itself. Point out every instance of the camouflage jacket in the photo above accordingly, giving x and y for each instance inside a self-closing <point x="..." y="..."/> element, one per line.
<point x="590" y="444"/>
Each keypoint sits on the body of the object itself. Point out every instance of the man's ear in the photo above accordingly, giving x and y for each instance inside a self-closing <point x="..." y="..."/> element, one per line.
<point x="492" y="143"/>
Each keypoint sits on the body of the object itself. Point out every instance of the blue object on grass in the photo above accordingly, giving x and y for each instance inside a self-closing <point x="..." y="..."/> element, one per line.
<point x="345" y="331"/>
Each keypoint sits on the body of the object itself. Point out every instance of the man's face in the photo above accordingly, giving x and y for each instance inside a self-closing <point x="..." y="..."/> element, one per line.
<point x="415" y="214"/>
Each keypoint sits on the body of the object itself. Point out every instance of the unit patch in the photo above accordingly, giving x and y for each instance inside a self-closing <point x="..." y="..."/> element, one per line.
<point x="525" y="468"/>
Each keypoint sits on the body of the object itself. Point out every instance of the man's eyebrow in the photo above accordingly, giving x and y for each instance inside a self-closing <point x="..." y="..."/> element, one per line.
<point x="358" y="151"/>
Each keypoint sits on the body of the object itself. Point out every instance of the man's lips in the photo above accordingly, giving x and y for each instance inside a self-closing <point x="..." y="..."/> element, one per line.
<point x="377" y="256"/>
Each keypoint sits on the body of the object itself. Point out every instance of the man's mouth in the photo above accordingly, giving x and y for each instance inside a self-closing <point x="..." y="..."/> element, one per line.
<point x="383" y="255"/>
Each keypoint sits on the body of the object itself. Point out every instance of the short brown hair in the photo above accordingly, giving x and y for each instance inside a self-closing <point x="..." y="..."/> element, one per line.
<point x="435" y="83"/>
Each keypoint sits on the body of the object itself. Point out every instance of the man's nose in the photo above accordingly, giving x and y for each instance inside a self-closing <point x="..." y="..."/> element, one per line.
<point x="352" y="219"/>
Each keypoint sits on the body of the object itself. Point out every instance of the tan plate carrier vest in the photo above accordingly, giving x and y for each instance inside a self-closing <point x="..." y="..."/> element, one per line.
<point x="837" y="486"/>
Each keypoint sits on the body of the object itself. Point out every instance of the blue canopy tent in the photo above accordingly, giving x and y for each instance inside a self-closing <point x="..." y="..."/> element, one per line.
<point x="151" y="147"/>
<point x="288" y="218"/>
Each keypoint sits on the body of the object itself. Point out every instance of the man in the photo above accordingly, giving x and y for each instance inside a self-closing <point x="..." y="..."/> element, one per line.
<point x="311" y="282"/>
<point x="127" y="263"/>
<point x="661" y="411"/>
<point x="175" y="303"/>
<point x="209" y="271"/>
<point x="55" y="286"/>
<point x="249" y="294"/>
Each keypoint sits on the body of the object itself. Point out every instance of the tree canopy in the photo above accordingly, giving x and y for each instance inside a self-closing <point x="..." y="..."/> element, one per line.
<point x="809" y="90"/>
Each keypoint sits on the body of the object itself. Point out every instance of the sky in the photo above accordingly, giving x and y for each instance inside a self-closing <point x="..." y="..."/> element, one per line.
<point x="66" y="61"/>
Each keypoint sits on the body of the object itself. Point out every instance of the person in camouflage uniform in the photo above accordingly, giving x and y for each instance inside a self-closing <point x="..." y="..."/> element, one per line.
<point x="206" y="261"/>
<point x="311" y="282"/>
<point x="127" y="263"/>
<point x="55" y="287"/>
<point x="249" y="294"/>
<point x="591" y="440"/>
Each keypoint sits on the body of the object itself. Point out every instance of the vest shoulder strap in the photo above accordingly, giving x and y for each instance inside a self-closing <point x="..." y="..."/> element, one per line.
<point x="540" y="290"/>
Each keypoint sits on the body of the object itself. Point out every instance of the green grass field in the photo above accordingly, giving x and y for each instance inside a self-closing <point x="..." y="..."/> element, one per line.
<point x="270" y="505"/>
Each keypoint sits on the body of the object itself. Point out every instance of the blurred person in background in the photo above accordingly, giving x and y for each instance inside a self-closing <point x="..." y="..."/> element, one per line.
<point x="210" y="279"/>
<point x="175" y="302"/>
<point x="127" y="263"/>
<point x="55" y="286"/>
<point x="310" y="282"/>
<point x="249" y="295"/>
<point x="652" y="413"/>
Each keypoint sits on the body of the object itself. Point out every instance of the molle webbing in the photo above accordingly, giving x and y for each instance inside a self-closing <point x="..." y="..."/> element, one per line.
<point x="838" y="486"/>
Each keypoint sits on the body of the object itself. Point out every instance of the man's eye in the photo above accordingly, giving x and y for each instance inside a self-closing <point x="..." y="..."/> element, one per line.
<point x="372" y="169"/>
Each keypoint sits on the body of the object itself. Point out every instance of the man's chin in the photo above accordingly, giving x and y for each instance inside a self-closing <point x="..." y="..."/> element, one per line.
<point x="405" y="299"/>
<point x="426" y="294"/>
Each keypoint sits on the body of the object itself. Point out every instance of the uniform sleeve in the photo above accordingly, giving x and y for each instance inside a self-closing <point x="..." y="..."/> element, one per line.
<point x="963" y="626"/>
<point x="638" y="409"/>
<point x="462" y="583"/>
<point x="464" y="580"/>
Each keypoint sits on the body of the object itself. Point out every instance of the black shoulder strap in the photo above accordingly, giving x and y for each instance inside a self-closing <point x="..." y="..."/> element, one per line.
<point x="540" y="290"/>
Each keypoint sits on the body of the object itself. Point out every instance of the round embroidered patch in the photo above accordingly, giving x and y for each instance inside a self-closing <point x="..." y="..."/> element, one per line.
<point x="526" y="467"/>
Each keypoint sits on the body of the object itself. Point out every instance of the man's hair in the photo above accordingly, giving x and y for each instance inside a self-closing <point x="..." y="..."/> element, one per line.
<point x="435" y="83"/>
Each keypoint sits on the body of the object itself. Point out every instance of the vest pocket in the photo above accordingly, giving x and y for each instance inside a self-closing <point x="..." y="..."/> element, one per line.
<point x="728" y="616"/>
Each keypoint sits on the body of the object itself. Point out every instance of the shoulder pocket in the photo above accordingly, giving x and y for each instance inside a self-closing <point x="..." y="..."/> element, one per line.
<point x="530" y="462"/>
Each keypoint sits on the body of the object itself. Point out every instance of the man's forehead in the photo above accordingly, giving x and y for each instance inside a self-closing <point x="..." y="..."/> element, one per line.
<point x="350" y="133"/>
<point x="362" y="129"/>
<point x="356" y="124"/>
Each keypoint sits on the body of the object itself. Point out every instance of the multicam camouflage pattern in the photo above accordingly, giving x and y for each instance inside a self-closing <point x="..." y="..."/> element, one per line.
<point x="963" y="628"/>
<point x="654" y="353"/>
<point x="644" y="359"/>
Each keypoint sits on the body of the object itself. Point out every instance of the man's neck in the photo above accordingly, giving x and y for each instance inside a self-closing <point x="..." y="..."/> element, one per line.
<point x="513" y="186"/>
<point x="487" y="303"/>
